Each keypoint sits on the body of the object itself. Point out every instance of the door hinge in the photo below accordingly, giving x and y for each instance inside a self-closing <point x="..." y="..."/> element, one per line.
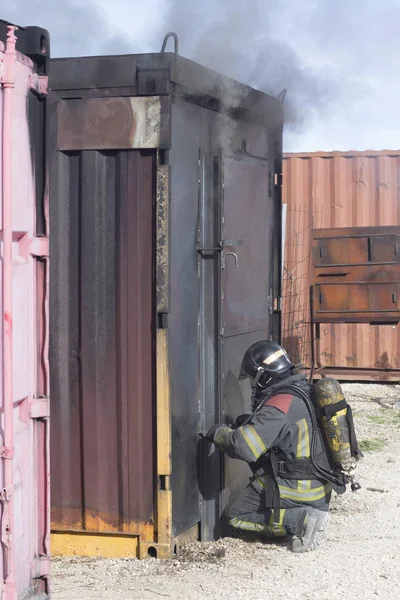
<point x="39" y="247"/>
<point x="40" y="567"/>
<point x="39" y="408"/>
<point x="277" y="304"/>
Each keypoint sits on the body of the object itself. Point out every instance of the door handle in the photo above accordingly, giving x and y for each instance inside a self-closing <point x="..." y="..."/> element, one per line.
<point x="231" y="253"/>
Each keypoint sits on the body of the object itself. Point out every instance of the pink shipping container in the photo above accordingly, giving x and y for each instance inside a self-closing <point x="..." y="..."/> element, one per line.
<point x="328" y="190"/>
<point x="24" y="382"/>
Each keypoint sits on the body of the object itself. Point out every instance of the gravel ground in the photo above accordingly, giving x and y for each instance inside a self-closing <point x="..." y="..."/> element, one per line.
<point x="360" y="558"/>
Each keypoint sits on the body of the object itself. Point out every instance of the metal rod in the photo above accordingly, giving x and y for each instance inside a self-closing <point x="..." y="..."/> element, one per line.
<point x="282" y="95"/>
<point x="9" y="588"/>
<point x="312" y="334"/>
<point x="318" y="345"/>
<point x="46" y="363"/>
<point x="176" y="45"/>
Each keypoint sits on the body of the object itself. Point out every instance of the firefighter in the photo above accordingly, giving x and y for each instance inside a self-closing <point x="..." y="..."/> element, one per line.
<point x="286" y="496"/>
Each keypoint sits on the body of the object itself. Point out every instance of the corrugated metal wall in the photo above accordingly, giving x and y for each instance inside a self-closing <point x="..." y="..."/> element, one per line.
<point x="349" y="189"/>
<point x="101" y="349"/>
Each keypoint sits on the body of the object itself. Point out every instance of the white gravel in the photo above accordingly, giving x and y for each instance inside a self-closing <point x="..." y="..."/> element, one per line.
<point x="359" y="560"/>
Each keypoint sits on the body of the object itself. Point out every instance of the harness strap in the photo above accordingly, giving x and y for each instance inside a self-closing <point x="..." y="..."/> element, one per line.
<point x="331" y="409"/>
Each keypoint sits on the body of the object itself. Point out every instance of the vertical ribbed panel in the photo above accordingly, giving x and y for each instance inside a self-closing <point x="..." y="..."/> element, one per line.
<point x="102" y="336"/>
<point x="350" y="189"/>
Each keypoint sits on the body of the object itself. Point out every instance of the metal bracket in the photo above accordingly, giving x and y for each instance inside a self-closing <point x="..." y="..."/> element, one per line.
<point x="39" y="84"/>
<point x="39" y="247"/>
<point x="39" y="408"/>
<point x="223" y="244"/>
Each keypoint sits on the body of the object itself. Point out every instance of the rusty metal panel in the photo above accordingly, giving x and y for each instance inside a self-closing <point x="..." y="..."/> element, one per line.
<point x="113" y="123"/>
<point x="356" y="274"/>
<point x="102" y="335"/>
<point x="247" y="215"/>
<point x="338" y="189"/>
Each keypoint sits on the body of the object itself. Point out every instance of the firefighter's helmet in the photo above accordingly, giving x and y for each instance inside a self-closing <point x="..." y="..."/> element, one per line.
<point x="263" y="362"/>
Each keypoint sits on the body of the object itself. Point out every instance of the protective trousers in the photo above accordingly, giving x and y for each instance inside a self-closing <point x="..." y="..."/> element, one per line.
<point x="250" y="513"/>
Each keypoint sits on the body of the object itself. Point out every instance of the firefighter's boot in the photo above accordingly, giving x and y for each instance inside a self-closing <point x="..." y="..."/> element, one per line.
<point x="314" y="531"/>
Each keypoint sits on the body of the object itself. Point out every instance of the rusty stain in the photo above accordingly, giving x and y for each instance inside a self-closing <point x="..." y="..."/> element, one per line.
<point x="383" y="362"/>
<point x="109" y="123"/>
<point x="356" y="274"/>
<point x="99" y="523"/>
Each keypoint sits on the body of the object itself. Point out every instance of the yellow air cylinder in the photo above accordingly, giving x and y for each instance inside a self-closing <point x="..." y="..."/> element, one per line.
<point x="328" y="392"/>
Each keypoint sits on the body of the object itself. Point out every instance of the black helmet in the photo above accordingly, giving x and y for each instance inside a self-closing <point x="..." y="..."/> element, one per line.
<point x="264" y="361"/>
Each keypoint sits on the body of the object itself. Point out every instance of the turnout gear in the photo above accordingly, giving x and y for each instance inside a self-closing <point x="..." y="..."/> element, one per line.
<point x="276" y="443"/>
<point x="282" y="441"/>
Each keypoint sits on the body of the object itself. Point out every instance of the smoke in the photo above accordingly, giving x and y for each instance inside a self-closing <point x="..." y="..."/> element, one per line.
<point x="338" y="60"/>
<point x="86" y="28"/>
<point x="243" y="40"/>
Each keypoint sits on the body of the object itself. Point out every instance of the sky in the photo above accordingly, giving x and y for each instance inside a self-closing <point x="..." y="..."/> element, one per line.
<point x="338" y="59"/>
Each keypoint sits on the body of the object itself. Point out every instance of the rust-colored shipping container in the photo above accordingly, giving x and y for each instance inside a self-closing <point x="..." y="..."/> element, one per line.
<point x="337" y="190"/>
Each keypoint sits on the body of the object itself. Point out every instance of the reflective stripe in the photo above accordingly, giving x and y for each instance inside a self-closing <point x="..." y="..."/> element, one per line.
<point x="273" y="357"/>
<point x="278" y="528"/>
<point x="300" y="495"/>
<point x="303" y="444"/>
<point x="304" y="484"/>
<point x="249" y="525"/>
<point x="271" y="529"/>
<point x="253" y="440"/>
<point x="262" y="481"/>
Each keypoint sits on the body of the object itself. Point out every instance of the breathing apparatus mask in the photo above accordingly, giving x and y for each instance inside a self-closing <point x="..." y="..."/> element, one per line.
<point x="258" y="385"/>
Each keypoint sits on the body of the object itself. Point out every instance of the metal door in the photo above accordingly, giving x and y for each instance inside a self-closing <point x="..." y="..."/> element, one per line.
<point x="246" y="279"/>
<point x="239" y="243"/>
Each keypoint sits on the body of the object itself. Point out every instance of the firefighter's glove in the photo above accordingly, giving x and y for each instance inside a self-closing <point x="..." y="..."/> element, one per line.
<point x="211" y="432"/>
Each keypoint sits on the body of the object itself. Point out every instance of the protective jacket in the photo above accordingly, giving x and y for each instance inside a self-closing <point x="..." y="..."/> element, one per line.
<point x="277" y="445"/>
